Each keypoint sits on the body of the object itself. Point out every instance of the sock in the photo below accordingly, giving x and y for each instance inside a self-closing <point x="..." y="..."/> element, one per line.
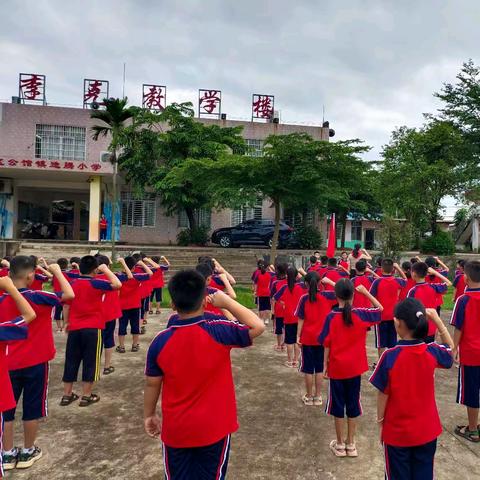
<point x="13" y="451"/>
<point x="28" y="450"/>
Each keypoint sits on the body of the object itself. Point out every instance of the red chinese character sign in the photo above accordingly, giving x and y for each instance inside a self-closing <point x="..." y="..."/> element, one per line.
<point x="262" y="106"/>
<point x="94" y="91"/>
<point x="154" y="97"/>
<point x="209" y="102"/>
<point x="31" y="88"/>
<point x="42" y="164"/>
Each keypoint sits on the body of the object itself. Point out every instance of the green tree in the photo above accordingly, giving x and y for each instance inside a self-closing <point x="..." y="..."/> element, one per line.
<point x="294" y="172"/>
<point x="420" y="167"/>
<point x="157" y="144"/>
<point x="114" y="119"/>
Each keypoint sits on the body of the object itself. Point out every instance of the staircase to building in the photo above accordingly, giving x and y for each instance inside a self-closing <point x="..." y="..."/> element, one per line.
<point x="239" y="261"/>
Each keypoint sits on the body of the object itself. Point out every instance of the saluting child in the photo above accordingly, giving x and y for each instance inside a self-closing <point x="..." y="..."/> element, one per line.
<point x="466" y="320"/>
<point x="278" y="309"/>
<point x="332" y="273"/>
<point x="436" y="264"/>
<point x="14" y="329"/>
<point x="289" y="296"/>
<point x="344" y="338"/>
<point x="460" y="281"/>
<point x="262" y="284"/>
<point x="362" y="278"/>
<point x="406" y="409"/>
<point x="42" y="275"/>
<point x="407" y="270"/>
<point x="158" y="282"/>
<point x="312" y="310"/>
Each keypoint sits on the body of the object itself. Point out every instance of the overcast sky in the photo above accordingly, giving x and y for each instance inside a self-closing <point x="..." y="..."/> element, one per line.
<point x="373" y="64"/>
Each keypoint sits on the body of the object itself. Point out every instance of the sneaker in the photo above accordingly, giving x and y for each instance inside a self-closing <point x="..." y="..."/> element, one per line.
<point x="10" y="460"/>
<point x="26" y="459"/>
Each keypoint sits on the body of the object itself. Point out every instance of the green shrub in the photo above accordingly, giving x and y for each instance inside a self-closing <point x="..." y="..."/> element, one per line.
<point x="394" y="237"/>
<point x="309" y="238"/>
<point x="439" y="244"/>
<point x="198" y="236"/>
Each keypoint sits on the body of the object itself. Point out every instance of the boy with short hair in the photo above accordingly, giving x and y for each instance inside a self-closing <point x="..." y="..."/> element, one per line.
<point x="191" y="362"/>
<point x="84" y="326"/>
<point x="158" y="282"/>
<point x="459" y="282"/>
<point x="386" y="289"/>
<point x="314" y="265"/>
<point x="131" y="301"/>
<point x="28" y="361"/>
<point x="436" y="264"/>
<point x="363" y="276"/>
<point x="428" y="292"/>
<point x="466" y="339"/>
<point x="14" y="329"/>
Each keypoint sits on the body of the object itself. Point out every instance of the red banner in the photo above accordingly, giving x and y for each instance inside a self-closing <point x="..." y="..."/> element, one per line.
<point x="332" y="238"/>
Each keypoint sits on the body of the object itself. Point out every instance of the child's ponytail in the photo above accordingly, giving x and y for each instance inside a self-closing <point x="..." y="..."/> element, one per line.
<point x="412" y="313"/>
<point x="312" y="279"/>
<point x="344" y="292"/>
<point x="292" y="273"/>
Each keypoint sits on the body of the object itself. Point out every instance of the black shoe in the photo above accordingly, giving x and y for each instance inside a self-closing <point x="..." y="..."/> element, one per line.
<point x="10" y="461"/>
<point x="26" y="460"/>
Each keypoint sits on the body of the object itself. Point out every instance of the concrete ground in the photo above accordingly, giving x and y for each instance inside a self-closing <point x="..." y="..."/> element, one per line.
<point x="279" y="438"/>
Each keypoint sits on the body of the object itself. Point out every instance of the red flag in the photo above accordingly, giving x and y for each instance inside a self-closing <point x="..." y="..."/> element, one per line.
<point x="332" y="238"/>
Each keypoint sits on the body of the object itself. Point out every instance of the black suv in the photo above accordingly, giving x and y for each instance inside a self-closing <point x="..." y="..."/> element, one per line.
<point x="254" y="232"/>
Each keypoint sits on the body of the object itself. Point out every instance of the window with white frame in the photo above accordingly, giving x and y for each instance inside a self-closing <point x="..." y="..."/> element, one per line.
<point x="295" y="219"/>
<point x="254" y="147"/>
<point x="138" y="211"/>
<point x="239" y="215"/>
<point x="60" y="142"/>
<point x="203" y="217"/>
<point x="356" y="230"/>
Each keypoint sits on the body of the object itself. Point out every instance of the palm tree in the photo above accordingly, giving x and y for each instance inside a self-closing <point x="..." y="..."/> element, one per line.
<point x="114" y="118"/>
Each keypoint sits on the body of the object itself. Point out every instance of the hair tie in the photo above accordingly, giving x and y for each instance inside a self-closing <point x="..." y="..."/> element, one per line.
<point x="419" y="314"/>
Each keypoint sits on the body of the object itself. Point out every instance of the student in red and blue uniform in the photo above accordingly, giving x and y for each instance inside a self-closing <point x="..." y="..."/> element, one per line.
<point x="466" y="320"/>
<point x="288" y="296"/>
<point x="278" y="309"/>
<point x="406" y="409"/>
<point x="386" y="290"/>
<point x="42" y="275"/>
<point x="145" y="288"/>
<point x="111" y="311"/>
<point x="459" y="282"/>
<point x="332" y="273"/>
<point x="427" y="292"/>
<point x="343" y="263"/>
<point x="314" y="265"/>
<point x="158" y="282"/>
<point x="189" y="366"/>
<point x="12" y="330"/>
<point x="311" y="312"/>
<point x="74" y="266"/>
<point x="436" y="264"/>
<point x="344" y="337"/>
<point x="84" y="326"/>
<point x="361" y="278"/>
<point x="322" y="270"/>
<point x="131" y="302"/>
<point x="28" y="361"/>
<point x="58" y="315"/>
<point x="407" y="270"/>
<point x="262" y="283"/>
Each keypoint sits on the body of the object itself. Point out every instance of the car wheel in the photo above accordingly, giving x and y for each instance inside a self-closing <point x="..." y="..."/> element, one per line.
<point x="225" y="241"/>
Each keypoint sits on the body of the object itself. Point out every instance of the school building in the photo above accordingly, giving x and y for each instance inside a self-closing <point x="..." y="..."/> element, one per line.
<point x="55" y="180"/>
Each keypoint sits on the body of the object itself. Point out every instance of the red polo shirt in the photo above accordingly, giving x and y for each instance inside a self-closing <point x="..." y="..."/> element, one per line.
<point x="290" y="301"/>
<point x="359" y="299"/>
<point x="263" y="282"/>
<point x="111" y="308"/>
<point x="158" y="279"/>
<point x="38" y="280"/>
<point x="313" y="315"/>
<point x="332" y="274"/>
<point x="460" y="285"/>
<point x="386" y="290"/>
<point x="466" y="317"/>
<point x="130" y="293"/>
<point x="10" y="331"/>
<point x="406" y="373"/>
<point x="404" y="291"/>
<point x="278" y="309"/>
<point x="433" y="279"/>
<point x="347" y="344"/>
<point x="198" y="395"/>
<point x="39" y="346"/>
<point x="146" y="285"/>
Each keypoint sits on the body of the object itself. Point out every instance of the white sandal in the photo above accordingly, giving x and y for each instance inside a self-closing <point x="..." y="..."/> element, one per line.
<point x="351" y="450"/>
<point x="307" y="400"/>
<point x="338" y="449"/>
<point x="318" y="401"/>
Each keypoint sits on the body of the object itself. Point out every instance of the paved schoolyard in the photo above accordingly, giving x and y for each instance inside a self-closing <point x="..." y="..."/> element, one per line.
<point x="279" y="438"/>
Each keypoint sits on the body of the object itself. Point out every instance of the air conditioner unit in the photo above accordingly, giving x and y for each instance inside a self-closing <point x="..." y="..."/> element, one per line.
<point x="6" y="186"/>
<point x="105" y="157"/>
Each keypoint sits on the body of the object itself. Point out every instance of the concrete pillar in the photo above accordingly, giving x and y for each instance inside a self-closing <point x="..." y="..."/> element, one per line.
<point x="475" y="233"/>
<point x="94" y="209"/>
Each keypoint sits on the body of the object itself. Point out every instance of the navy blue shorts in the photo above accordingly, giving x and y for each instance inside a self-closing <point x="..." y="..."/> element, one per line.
<point x="33" y="383"/>
<point x="145" y="306"/>
<point x="83" y="347"/>
<point x="199" y="463"/>
<point x="468" y="390"/>
<point x="414" y="463"/>
<point x="157" y="295"/>
<point x="264" y="304"/>
<point x="344" y="397"/>
<point x="108" y="334"/>
<point x="291" y="330"/>
<point x="312" y="359"/>
<point x="279" y="325"/>
<point x="131" y="316"/>
<point x="58" y="315"/>
<point x="385" y="334"/>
